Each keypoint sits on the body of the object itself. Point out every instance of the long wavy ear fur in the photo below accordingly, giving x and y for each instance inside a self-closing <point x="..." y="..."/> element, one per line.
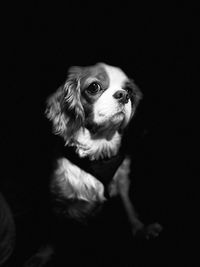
<point x="64" y="107"/>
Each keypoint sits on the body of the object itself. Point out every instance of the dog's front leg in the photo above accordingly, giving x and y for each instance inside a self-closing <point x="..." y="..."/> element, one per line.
<point x="121" y="185"/>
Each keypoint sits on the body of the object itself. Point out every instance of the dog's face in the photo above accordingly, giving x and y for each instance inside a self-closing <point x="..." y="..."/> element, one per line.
<point x="100" y="98"/>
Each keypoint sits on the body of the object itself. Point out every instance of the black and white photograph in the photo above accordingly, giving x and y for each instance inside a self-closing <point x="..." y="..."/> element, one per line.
<point x="99" y="134"/>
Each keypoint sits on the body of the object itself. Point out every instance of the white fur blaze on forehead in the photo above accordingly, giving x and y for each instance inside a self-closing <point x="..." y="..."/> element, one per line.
<point x="116" y="75"/>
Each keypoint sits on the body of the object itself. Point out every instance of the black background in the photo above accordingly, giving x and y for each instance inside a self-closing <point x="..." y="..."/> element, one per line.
<point x="155" y="44"/>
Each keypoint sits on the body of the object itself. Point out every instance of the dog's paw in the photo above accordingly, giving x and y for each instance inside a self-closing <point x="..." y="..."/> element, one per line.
<point x="147" y="232"/>
<point x="153" y="230"/>
<point x="35" y="261"/>
<point x="41" y="258"/>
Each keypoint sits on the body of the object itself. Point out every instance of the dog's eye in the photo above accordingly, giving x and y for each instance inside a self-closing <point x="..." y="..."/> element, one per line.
<point x="129" y="90"/>
<point x="93" y="88"/>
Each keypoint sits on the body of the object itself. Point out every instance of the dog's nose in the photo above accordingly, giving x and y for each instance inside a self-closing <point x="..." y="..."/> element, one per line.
<point x="122" y="96"/>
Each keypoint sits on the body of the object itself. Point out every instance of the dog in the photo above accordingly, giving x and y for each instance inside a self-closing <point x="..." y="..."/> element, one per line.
<point x="91" y="112"/>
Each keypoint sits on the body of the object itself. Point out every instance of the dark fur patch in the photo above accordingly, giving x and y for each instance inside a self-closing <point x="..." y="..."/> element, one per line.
<point x="134" y="92"/>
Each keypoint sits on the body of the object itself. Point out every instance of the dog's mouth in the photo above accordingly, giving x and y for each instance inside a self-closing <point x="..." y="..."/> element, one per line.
<point x="119" y="115"/>
<point x="111" y="124"/>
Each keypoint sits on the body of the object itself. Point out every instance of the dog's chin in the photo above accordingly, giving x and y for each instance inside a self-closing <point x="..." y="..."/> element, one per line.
<point x="115" y="120"/>
<point x="108" y="126"/>
<point x="113" y="116"/>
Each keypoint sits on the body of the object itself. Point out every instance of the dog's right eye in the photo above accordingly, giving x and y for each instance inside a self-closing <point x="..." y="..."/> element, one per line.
<point x="93" y="88"/>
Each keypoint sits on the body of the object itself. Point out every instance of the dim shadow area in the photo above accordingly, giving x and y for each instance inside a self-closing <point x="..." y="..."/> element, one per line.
<point x="41" y="43"/>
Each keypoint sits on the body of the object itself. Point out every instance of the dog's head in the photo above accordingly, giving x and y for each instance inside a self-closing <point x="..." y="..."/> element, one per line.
<point x="100" y="98"/>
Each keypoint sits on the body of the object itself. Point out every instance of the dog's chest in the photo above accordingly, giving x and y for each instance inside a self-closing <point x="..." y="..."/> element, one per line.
<point x="103" y="170"/>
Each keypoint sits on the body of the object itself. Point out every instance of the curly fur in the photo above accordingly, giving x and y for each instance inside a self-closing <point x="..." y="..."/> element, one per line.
<point x="64" y="107"/>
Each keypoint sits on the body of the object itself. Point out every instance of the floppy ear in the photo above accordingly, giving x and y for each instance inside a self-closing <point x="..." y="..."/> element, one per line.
<point x="64" y="107"/>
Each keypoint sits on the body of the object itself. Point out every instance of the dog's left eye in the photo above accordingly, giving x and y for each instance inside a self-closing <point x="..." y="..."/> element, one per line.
<point x="128" y="89"/>
<point x="93" y="88"/>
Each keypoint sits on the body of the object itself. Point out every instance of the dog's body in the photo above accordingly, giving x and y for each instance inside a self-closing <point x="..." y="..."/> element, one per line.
<point x="91" y="112"/>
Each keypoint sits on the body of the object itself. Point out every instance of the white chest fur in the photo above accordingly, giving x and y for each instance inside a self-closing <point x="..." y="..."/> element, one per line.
<point x="96" y="148"/>
<point x="74" y="183"/>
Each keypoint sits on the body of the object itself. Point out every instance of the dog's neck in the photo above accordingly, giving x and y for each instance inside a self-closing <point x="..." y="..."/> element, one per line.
<point x="95" y="148"/>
